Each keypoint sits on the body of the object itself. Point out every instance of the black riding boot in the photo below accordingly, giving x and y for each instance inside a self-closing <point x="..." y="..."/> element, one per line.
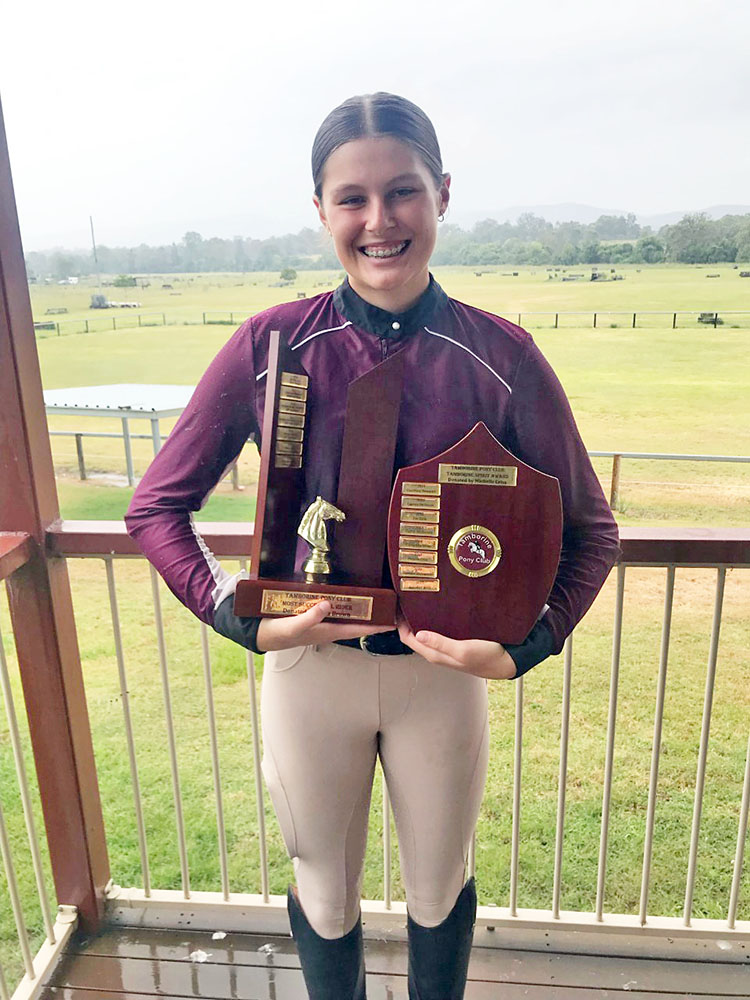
<point x="439" y="956"/>
<point x="334" y="969"/>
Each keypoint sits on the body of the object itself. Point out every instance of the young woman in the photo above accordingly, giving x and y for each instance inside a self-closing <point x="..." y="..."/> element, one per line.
<point x="337" y="697"/>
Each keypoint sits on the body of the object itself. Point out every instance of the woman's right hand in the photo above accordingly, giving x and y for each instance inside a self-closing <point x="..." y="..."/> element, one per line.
<point x="308" y="629"/>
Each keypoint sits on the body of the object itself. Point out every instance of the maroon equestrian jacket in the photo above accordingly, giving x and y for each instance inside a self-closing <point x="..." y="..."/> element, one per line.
<point x="462" y="365"/>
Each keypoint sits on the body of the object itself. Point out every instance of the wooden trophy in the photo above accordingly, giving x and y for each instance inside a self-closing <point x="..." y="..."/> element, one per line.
<point x="350" y="572"/>
<point x="474" y="539"/>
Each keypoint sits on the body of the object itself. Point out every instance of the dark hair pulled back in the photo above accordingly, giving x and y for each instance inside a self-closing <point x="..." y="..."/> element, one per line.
<point x="376" y="115"/>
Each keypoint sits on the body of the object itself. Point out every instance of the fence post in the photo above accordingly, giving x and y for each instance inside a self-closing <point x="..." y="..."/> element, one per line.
<point x="614" y="492"/>
<point x="128" y="450"/>
<point x="87" y="325"/>
<point x="595" y="321"/>
<point x="556" y="318"/>
<point x="716" y="319"/>
<point x="674" y="321"/>
<point x="58" y="329"/>
<point x="204" y="319"/>
<point x="235" y="476"/>
<point x="79" y="452"/>
<point x="114" y="322"/>
<point x="519" y="319"/>
<point x="634" y="315"/>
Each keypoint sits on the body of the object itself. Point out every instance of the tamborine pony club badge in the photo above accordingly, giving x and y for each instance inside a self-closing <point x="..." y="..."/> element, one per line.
<point x="474" y="550"/>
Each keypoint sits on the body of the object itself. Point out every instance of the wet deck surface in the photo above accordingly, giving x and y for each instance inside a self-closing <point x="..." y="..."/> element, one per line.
<point x="135" y="963"/>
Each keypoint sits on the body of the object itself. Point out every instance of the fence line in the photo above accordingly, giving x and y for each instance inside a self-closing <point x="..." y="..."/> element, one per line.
<point x="676" y="319"/>
<point x="616" y="456"/>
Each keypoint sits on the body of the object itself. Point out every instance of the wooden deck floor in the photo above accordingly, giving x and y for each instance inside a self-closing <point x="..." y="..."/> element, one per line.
<point x="135" y="964"/>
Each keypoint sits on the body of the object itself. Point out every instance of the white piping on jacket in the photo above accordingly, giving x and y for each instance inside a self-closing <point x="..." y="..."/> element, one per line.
<point x="331" y="329"/>
<point x="225" y="582"/>
<point x="475" y="356"/>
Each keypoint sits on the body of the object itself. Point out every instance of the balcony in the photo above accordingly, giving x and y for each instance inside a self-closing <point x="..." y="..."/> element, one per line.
<point x="610" y="854"/>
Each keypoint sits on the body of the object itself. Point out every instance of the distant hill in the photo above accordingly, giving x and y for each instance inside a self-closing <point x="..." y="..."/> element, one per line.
<point x="586" y="214"/>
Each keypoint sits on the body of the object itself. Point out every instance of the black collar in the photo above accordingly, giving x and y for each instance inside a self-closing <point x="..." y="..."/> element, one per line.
<point x="384" y="324"/>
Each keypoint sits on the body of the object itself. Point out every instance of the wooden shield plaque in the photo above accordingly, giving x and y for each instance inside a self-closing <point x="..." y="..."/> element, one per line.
<point x="474" y="538"/>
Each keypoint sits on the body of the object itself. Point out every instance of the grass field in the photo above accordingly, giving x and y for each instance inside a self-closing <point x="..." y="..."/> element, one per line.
<point x="650" y="389"/>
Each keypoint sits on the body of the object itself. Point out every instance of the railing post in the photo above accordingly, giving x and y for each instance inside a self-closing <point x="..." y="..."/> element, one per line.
<point x="79" y="452"/>
<point x="39" y="597"/>
<point x="614" y="491"/>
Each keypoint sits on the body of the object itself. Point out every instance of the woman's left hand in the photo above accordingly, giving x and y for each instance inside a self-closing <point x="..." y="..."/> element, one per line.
<point x="474" y="656"/>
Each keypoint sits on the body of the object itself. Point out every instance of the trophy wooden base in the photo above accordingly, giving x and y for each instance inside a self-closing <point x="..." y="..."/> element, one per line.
<point x="349" y="604"/>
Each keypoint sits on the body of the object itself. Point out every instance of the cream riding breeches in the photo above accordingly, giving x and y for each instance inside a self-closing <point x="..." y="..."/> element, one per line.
<point x="328" y="712"/>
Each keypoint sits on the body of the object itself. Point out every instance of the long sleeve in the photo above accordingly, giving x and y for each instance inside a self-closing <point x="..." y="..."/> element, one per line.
<point x="542" y="431"/>
<point x="205" y="441"/>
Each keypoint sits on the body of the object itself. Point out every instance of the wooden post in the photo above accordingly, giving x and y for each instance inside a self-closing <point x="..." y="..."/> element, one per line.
<point x="595" y="321"/>
<point x="235" y="476"/>
<point x="557" y="315"/>
<point x="39" y="596"/>
<point x="634" y="315"/>
<point x="614" y="492"/>
<point x="79" y="452"/>
<point x="674" y="321"/>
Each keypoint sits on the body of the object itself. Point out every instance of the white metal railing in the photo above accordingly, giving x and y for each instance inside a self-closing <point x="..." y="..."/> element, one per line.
<point x="126" y="436"/>
<point x="27" y="967"/>
<point x="514" y="875"/>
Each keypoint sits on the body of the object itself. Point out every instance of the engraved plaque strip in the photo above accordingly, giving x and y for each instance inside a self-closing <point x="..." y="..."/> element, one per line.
<point x="478" y="475"/>
<point x="290" y="419"/>
<point x="405" y="542"/>
<point x="424" y="516"/>
<point x="289" y="448"/>
<point x="292" y="392"/>
<point x="410" y="569"/>
<point x="421" y="503"/>
<point x="292" y="602"/>
<point x="294" y="378"/>
<point x="419" y="529"/>
<point x="421" y="489"/>
<point x="424" y="585"/>
<point x="288" y="462"/>
<point x="408" y="556"/>
<point x="292" y="406"/>
<point x="289" y="434"/>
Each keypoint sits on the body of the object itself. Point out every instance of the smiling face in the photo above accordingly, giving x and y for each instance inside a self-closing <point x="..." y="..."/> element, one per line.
<point x="380" y="203"/>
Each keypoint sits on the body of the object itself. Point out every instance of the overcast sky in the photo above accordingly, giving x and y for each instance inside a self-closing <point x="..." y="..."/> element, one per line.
<point x="157" y="118"/>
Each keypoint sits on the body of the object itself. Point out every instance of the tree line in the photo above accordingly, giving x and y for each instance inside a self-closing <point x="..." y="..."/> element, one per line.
<point x="612" y="239"/>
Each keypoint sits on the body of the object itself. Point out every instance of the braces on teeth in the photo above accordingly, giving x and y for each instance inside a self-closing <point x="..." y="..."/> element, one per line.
<point x="383" y="253"/>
